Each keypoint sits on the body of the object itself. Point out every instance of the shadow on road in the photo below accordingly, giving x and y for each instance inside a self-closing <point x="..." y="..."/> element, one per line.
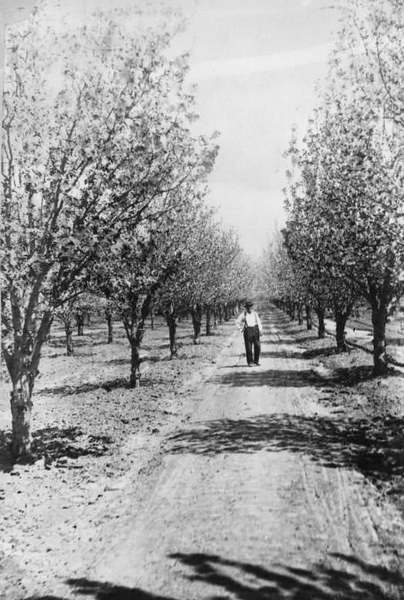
<point x="303" y="354"/>
<point x="375" y="448"/>
<point x="271" y="377"/>
<point x="348" y="579"/>
<point x="294" y="330"/>
<point x="97" y="590"/>
<point x="292" y="378"/>
<point x="287" y="341"/>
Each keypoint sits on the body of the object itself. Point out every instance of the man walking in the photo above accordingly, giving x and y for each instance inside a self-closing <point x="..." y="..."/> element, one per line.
<point x="249" y="324"/>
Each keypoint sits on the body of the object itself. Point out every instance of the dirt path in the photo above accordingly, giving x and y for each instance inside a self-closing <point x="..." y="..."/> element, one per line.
<point x="254" y="499"/>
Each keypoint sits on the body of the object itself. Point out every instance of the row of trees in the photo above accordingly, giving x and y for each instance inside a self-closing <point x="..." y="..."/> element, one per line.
<point x="343" y="243"/>
<point x="195" y="268"/>
<point x="103" y="185"/>
<point x="209" y="276"/>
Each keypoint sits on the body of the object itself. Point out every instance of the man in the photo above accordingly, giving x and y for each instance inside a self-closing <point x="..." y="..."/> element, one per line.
<point x="249" y="324"/>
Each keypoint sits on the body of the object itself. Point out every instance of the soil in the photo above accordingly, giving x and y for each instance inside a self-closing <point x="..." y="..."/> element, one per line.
<point x="212" y="480"/>
<point x="95" y="440"/>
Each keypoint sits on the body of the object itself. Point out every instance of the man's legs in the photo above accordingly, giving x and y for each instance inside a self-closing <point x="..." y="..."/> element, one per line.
<point x="257" y="347"/>
<point x="248" y="345"/>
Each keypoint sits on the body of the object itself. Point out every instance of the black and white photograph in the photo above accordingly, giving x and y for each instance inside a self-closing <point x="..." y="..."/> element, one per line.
<point x="202" y="299"/>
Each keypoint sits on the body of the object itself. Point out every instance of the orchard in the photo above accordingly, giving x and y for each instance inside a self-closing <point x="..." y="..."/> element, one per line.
<point x="343" y="242"/>
<point x="200" y="409"/>
<point x="104" y="186"/>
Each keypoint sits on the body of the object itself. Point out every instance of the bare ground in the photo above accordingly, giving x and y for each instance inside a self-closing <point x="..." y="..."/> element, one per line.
<point x="212" y="481"/>
<point x="96" y="441"/>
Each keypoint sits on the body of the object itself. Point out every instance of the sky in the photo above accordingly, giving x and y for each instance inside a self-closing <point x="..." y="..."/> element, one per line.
<point x="256" y="64"/>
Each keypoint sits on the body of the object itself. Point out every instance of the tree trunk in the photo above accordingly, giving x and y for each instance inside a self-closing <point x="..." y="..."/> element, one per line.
<point x="69" y="338"/>
<point x="215" y="318"/>
<point x="220" y="314"/>
<point x="196" y="315"/>
<point x="379" y="318"/>
<point x="134" y="364"/>
<point x="172" y="331"/>
<point x="300" y="313"/>
<point x="309" y="321"/>
<point x="340" y="321"/>
<point x="108" y="316"/>
<point x="208" y="320"/>
<point x="21" y="409"/>
<point x="320" y="312"/>
<point x="226" y="312"/>
<point x="22" y="366"/>
<point x="291" y="310"/>
<point x="152" y="319"/>
<point x="80" y="324"/>
<point x="135" y="339"/>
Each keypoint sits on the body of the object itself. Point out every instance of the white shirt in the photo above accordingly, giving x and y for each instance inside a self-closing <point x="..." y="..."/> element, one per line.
<point x="250" y="319"/>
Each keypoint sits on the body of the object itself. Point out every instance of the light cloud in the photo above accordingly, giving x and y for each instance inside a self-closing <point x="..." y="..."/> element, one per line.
<point x="260" y="64"/>
<point x="233" y="13"/>
<point x="253" y="212"/>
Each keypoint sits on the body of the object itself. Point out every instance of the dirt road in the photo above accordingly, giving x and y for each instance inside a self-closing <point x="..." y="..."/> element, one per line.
<point x="257" y="498"/>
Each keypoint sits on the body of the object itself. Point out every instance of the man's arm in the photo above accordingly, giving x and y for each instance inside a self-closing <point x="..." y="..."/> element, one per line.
<point x="240" y="322"/>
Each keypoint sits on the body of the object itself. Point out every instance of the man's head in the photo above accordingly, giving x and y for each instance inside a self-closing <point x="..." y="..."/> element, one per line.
<point x="248" y="305"/>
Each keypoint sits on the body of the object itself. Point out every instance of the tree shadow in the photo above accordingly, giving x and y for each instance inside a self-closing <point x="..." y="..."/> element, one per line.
<point x="148" y="381"/>
<point x="349" y="578"/>
<point x="165" y="346"/>
<point x="282" y="354"/>
<point x="271" y="378"/>
<point x="118" y="361"/>
<point x="6" y="460"/>
<point x="288" y="342"/>
<point x="350" y="376"/>
<point x="52" y="444"/>
<point x="306" y="354"/>
<point x="98" y="590"/>
<point x="315" y="352"/>
<point x="55" y="355"/>
<point x="395" y="341"/>
<point x="344" y="577"/>
<point x="186" y="336"/>
<point x="78" y="342"/>
<point x="294" y="331"/>
<point x="82" y="388"/>
<point x="374" y="447"/>
<point x="153" y="358"/>
<point x="295" y="378"/>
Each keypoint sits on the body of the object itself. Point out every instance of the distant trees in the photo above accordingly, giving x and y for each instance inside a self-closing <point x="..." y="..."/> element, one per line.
<point x="344" y="236"/>
<point x="212" y="273"/>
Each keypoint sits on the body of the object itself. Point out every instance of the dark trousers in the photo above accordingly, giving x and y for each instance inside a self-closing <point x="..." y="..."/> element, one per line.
<point x="252" y="338"/>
